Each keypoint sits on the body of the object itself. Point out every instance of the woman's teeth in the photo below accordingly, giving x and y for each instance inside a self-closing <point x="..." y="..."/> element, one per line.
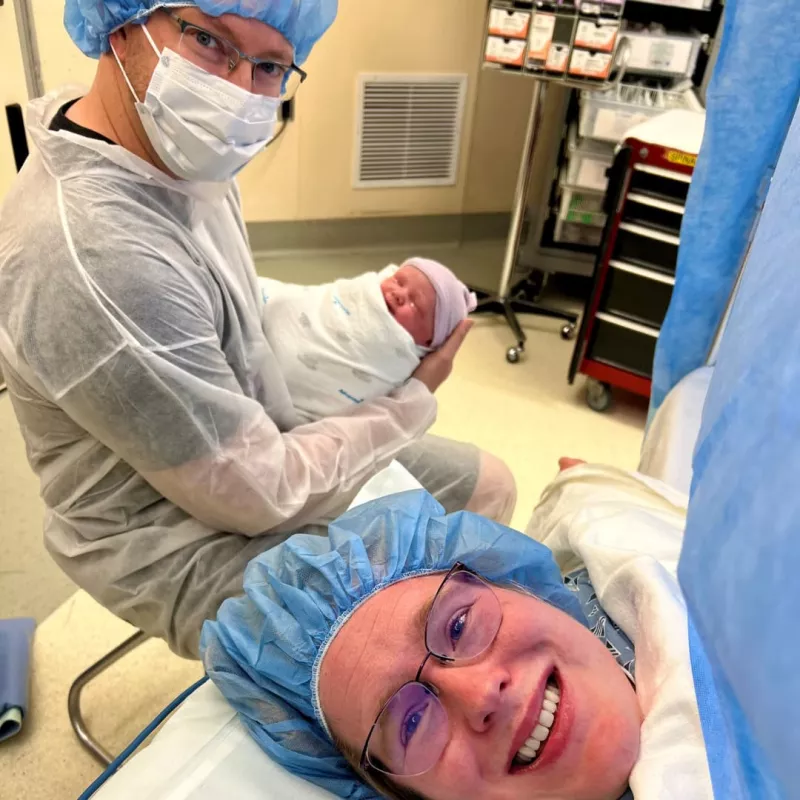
<point x="530" y="750"/>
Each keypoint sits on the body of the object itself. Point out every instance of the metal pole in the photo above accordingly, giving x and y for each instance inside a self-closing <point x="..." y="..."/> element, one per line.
<point x="30" y="49"/>
<point x="521" y="194"/>
<point x="74" y="699"/>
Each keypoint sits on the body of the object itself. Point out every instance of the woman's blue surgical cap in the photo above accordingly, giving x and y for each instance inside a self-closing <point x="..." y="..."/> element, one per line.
<point x="264" y="649"/>
<point x="302" y="22"/>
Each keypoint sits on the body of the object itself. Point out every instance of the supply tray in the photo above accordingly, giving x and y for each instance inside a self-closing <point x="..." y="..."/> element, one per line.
<point x="588" y="162"/>
<point x="667" y="54"/>
<point x="574" y="42"/>
<point x="609" y="115"/>
<point x="580" y="205"/>
<point x="574" y="233"/>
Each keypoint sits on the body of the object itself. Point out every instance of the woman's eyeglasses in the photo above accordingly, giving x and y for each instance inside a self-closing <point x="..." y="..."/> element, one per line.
<point x="221" y="57"/>
<point x="412" y="729"/>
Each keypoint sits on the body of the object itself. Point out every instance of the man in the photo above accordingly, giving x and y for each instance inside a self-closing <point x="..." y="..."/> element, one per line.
<point x="130" y="334"/>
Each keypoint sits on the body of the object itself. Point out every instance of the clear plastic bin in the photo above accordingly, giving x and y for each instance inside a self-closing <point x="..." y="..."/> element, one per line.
<point x="611" y="114"/>
<point x="672" y="54"/>
<point x="697" y="5"/>
<point x="580" y="205"/>
<point x="576" y="233"/>
<point x="588" y="162"/>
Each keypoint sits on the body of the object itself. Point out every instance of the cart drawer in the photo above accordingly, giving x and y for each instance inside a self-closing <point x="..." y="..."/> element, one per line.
<point x="620" y="343"/>
<point x="656" y="182"/>
<point x="646" y="247"/>
<point x="655" y="213"/>
<point x="637" y="294"/>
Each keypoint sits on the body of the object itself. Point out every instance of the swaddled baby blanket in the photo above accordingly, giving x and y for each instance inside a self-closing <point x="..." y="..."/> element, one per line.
<point x="15" y="656"/>
<point x="337" y="344"/>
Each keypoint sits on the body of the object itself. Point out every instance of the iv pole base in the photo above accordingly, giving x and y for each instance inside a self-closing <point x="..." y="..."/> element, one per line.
<point x="510" y="307"/>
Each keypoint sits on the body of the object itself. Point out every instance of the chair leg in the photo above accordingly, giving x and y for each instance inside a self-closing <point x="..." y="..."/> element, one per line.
<point x="74" y="699"/>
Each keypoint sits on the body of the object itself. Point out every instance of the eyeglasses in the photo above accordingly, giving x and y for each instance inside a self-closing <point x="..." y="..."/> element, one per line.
<point x="413" y="729"/>
<point x="221" y="57"/>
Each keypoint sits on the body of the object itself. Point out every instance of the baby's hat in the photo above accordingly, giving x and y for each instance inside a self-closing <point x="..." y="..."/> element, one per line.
<point x="453" y="299"/>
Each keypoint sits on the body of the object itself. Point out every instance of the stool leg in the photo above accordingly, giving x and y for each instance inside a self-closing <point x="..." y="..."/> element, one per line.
<point x="74" y="699"/>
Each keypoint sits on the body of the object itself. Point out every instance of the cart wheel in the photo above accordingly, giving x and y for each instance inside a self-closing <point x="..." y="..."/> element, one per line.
<point x="568" y="331"/>
<point x="513" y="355"/>
<point x="598" y="396"/>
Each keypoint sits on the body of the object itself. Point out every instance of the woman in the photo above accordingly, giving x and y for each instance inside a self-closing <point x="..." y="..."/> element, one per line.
<point x="446" y="658"/>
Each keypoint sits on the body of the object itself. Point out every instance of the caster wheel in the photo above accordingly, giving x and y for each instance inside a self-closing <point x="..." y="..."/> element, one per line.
<point x="598" y="396"/>
<point x="568" y="332"/>
<point x="513" y="355"/>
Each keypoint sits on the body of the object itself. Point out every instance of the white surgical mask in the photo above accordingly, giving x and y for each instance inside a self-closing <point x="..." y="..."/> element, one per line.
<point x="203" y="127"/>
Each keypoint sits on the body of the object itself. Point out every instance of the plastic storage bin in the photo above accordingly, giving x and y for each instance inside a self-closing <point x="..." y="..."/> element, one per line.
<point x="697" y="5"/>
<point x="664" y="54"/>
<point x="588" y="162"/>
<point x="575" y="233"/>
<point x="580" y="205"/>
<point x="611" y="114"/>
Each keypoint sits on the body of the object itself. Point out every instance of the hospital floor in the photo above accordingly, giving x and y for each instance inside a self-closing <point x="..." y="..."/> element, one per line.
<point x="526" y="413"/>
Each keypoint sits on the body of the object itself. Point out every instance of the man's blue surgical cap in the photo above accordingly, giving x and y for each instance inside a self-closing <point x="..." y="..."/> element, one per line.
<point x="265" y="649"/>
<point x="302" y="22"/>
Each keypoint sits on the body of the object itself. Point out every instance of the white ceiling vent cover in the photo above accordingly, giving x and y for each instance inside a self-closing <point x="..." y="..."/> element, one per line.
<point x="409" y="130"/>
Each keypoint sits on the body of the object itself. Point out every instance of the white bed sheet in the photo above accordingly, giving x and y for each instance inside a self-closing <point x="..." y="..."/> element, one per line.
<point x="203" y="752"/>
<point x="669" y="444"/>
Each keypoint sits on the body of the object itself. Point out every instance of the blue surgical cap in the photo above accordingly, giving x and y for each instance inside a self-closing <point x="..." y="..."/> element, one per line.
<point x="264" y="650"/>
<point x="302" y="22"/>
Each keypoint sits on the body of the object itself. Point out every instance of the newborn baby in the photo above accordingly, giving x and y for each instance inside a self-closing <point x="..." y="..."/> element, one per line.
<point x="341" y="344"/>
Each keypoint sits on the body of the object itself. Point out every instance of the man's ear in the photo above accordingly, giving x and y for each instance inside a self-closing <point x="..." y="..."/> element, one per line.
<point x="119" y="41"/>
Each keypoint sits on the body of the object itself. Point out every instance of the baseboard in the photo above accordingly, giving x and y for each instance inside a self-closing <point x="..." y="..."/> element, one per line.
<point x="368" y="233"/>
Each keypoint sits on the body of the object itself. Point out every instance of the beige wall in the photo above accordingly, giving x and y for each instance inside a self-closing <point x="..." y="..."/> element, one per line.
<point x="12" y="89"/>
<point x="308" y="173"/>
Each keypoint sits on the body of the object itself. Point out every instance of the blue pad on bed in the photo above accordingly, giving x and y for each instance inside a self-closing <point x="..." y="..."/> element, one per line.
<point x="739" y="567"/>
<point x="15" y="657"/>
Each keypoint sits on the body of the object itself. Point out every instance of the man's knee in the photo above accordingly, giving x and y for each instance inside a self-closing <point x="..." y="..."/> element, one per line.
<point x="495" y="495"/>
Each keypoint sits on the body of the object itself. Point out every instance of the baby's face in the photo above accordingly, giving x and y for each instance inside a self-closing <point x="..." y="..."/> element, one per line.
<point x="411" y="300"/>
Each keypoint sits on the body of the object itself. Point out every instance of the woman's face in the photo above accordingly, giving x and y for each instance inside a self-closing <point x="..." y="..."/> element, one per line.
<point x="492" y="702"/>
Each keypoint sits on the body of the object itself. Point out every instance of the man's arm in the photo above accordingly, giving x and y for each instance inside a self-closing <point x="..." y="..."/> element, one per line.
<point x="216" y="453"/>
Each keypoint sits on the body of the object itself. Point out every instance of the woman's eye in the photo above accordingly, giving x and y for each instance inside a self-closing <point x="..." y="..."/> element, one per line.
<point x="411" y="723"/>
<point x="457" y="626"/>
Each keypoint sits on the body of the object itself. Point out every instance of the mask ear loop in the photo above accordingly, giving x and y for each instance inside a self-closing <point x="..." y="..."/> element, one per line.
<point x="122" y="69"/>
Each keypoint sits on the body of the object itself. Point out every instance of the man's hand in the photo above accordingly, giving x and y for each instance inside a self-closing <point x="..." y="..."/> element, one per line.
<point x="435" y="369"/>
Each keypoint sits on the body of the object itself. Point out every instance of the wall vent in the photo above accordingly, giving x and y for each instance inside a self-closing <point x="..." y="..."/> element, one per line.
<point x="409" y="130"/>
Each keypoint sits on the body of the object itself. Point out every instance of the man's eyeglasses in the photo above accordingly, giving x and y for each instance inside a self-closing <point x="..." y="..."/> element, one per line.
<point x="221" y="57"/>
<point x="412" y="729"/>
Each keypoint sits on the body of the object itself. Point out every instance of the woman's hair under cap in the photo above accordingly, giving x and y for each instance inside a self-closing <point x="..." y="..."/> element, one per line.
<point x="302" y="22"/>
<point x="264" y="649"/>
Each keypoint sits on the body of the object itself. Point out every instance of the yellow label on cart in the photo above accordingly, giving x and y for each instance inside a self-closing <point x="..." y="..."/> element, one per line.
<point x="679" y="157"/>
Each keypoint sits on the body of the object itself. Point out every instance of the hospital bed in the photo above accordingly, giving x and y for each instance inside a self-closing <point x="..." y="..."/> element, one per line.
<point x="204" y="752"/>
<point x="738" y="566"/>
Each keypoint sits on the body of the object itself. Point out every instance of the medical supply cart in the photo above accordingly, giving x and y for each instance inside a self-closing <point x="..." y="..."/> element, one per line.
<point x="578" y="53"/>
<point x="635" y="270"/>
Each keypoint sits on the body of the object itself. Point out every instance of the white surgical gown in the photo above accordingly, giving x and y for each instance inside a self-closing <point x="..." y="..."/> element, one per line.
<point x="151" y="404"/>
